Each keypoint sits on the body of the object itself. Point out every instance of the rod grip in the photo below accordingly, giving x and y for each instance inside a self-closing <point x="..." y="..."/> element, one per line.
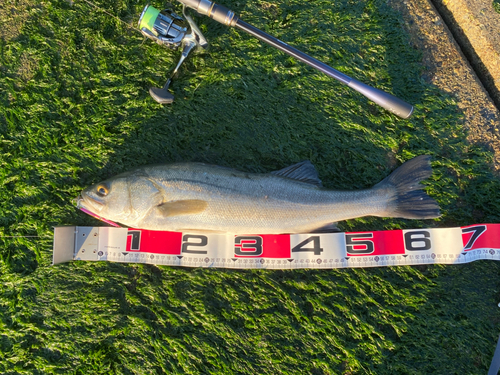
<point x="223" y="15"/>
<point x="215" y="11"/>
<point x="391" y="103"/>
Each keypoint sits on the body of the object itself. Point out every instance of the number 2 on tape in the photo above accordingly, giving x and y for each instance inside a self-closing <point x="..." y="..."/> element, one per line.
<point x="201" y="242"/>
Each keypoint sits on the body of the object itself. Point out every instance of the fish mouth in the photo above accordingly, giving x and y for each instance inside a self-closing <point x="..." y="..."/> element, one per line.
<point x="83" y="202"/>
<point x="89" y="203"/>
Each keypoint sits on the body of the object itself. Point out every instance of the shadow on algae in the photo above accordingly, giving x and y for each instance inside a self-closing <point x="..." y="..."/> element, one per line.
<point x="85" y="115"/>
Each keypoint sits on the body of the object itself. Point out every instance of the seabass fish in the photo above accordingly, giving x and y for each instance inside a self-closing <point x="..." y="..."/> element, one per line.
<point x="199" y="197"/>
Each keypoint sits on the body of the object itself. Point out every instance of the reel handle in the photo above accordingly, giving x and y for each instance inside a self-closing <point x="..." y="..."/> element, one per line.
<point x="227" y="17"/>
<point x="162" y="95"/>
<point x="167" y="29"/>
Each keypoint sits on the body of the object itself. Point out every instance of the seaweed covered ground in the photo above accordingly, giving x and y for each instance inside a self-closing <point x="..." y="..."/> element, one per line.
<point x="75" y="109"/>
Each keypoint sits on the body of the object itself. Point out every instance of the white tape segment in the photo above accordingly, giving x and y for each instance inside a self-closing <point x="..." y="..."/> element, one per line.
<point x="279" y="251"/>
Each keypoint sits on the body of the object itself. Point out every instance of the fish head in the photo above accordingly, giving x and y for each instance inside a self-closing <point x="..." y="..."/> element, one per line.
<point x="109" y="199"/>
<point x="124" y="198"/>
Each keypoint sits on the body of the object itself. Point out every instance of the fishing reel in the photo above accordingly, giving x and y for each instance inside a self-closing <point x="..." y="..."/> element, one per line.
<point x="172" y="31"/>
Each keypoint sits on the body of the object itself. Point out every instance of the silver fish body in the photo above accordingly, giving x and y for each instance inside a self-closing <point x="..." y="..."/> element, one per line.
<point x="199" y="197"/>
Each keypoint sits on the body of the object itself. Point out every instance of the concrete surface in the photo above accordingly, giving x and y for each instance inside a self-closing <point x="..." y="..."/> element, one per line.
<point x="476" y="27"/>
<point x="449" y="69"/>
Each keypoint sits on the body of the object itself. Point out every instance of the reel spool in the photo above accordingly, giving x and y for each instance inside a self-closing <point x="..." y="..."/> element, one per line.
<point x="172" y="31"/>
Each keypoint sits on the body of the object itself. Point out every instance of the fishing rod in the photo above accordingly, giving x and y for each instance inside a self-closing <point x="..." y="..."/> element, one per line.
<point x="169" y="29"/>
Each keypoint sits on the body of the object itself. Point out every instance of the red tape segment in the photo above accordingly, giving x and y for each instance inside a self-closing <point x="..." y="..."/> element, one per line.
<point x="280" y="251"/>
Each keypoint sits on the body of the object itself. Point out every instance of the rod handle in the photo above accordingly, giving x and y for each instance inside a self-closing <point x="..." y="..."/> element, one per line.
<point x="391" y="103"/>
<point x="215" y="11"/>
<point x="227" y="17"/>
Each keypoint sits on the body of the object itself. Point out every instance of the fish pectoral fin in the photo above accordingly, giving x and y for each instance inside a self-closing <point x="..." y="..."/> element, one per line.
<point x="183" y="207"/>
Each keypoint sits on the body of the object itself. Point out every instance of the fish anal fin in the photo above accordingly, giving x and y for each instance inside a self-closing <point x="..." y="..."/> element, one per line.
<point x="182" y="207"/>
<point x="202" y="231"/>
<point x="328" y="228"/>
<point x="303" y="171"/>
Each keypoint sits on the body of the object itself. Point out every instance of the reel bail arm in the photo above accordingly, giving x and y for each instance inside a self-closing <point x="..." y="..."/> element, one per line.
<point x="227" y="17"/>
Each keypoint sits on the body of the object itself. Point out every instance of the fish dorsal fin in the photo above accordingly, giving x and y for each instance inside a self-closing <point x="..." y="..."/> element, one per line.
<point x="303" y="171"/>
<point x="182" y="207"/>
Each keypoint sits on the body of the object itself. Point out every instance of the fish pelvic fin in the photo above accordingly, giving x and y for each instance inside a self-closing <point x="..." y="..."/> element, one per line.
<point x="182" y="207"/>
<point x="407" y="199"/>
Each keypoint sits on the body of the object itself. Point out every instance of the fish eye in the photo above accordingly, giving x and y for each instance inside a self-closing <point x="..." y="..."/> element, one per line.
<point x="102" y="190"/>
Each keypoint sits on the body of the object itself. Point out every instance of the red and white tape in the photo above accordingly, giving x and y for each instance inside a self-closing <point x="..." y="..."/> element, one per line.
<point x="279" y="251"/>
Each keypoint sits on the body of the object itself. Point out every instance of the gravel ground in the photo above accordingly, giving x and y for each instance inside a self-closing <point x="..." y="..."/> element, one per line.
<point x="475" y="24"/>
<point x="448" y="68"/>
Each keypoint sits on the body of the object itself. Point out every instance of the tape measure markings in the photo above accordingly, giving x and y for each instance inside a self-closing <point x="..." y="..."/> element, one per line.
<point x="280" y="251"/>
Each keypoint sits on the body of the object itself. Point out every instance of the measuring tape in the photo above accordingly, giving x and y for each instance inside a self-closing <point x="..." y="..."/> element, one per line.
<point x="279" y="251"/>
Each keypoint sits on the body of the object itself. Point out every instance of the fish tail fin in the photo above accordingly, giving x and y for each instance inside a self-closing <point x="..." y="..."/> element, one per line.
<point x="406" y="196"/>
